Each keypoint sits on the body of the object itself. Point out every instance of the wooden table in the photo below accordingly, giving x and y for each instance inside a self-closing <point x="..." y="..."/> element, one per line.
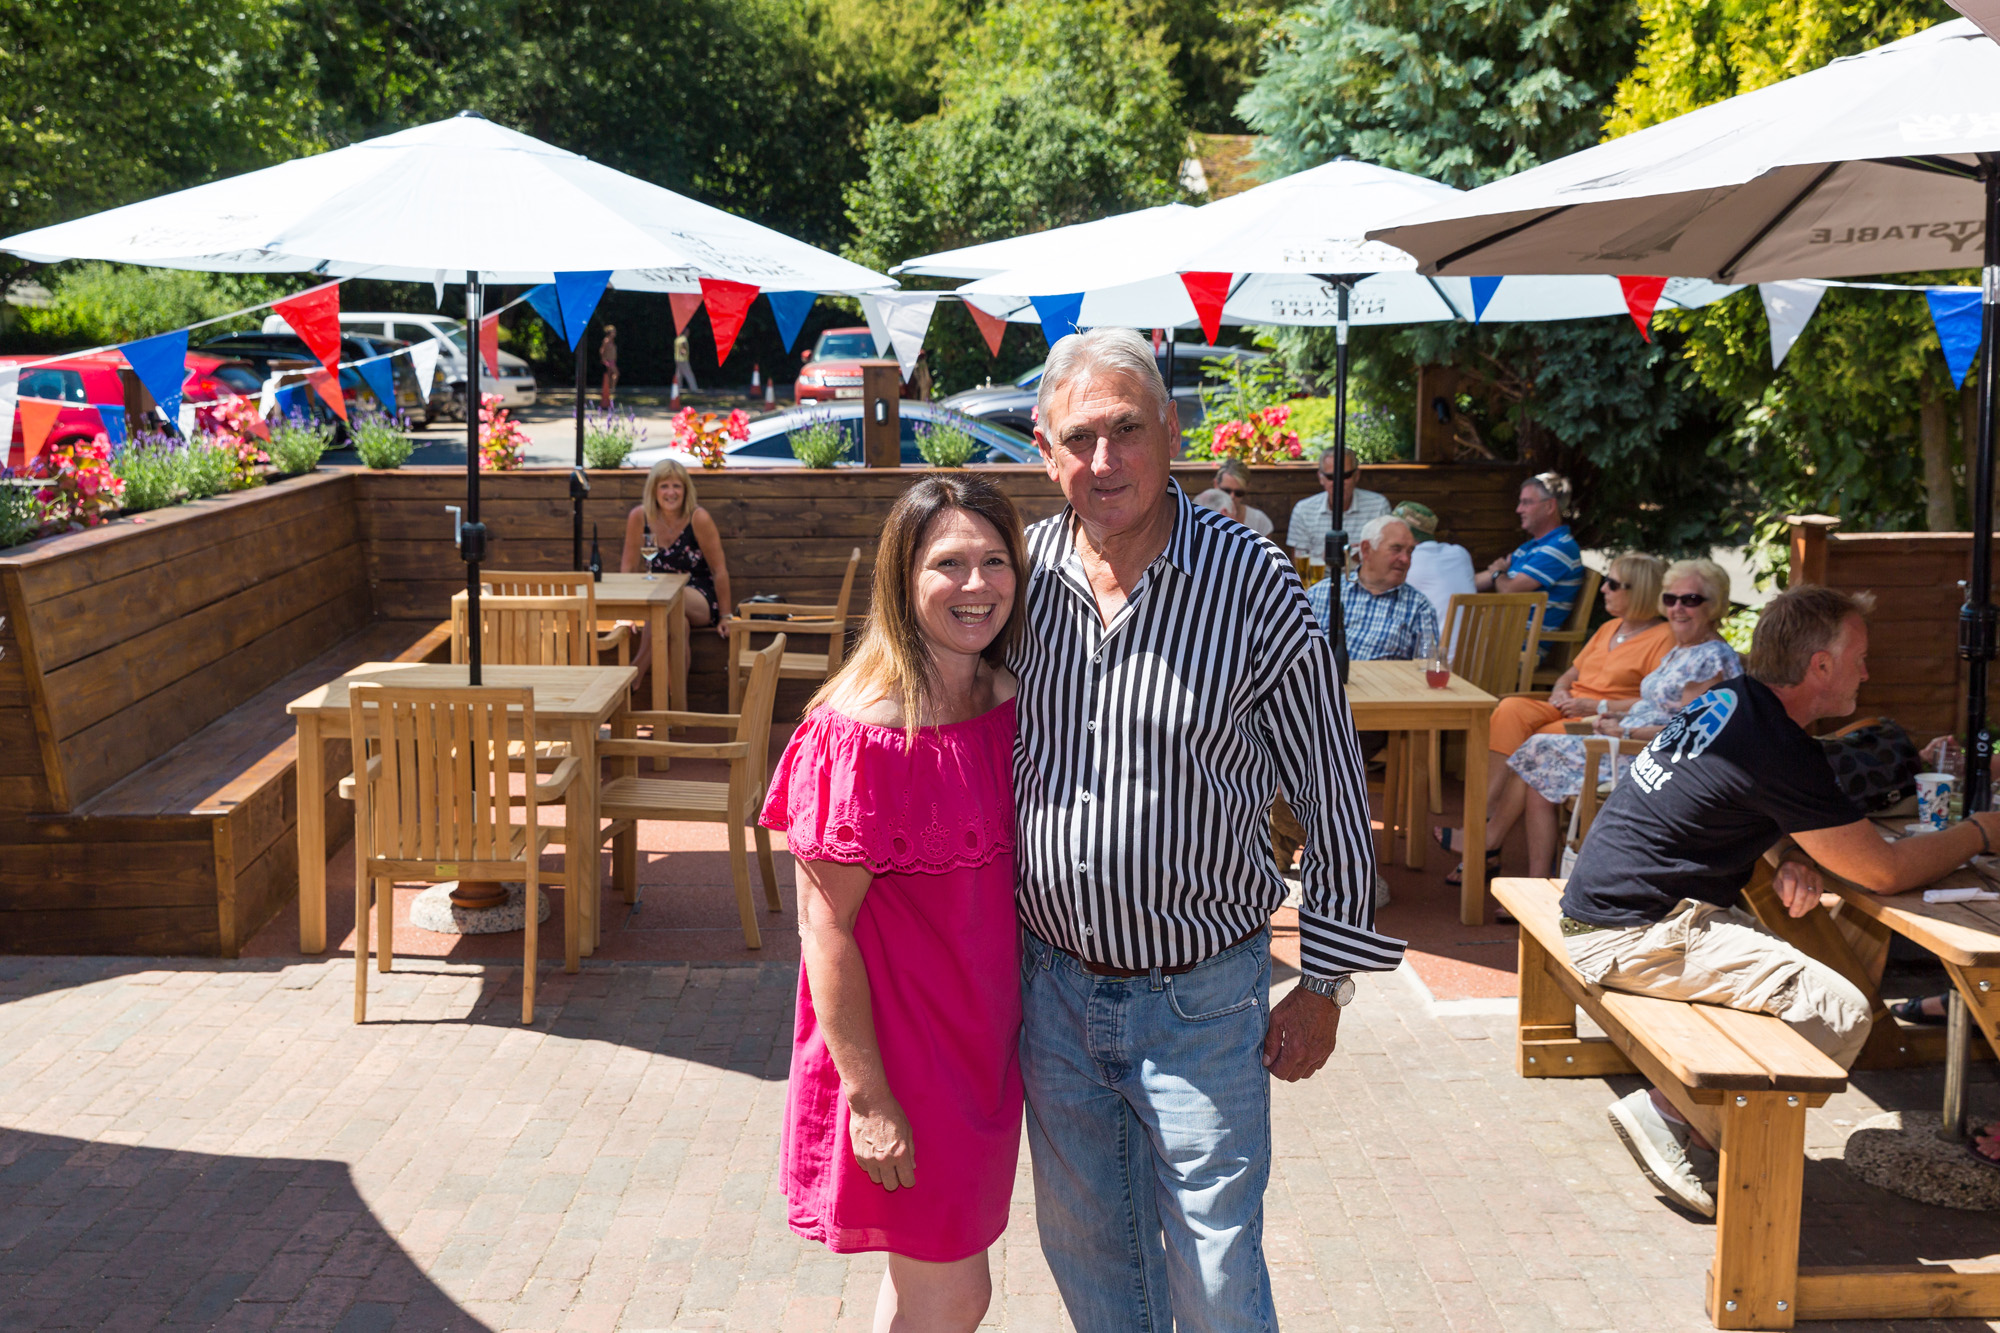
<point x="655" y="599"/>
<point x="1393" y="696"/>
<point x="575" y="699"/>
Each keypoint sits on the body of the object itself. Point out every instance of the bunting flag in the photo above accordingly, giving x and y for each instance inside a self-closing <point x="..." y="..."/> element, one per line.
<point x="1787" y="308"/>
<point x="315" y="316"/>
<point x="424" y="358"/>
<point x="577" y="296"/>
<point x="38" y="418"/>
<point x="161" y="365"/>
<point x="380" y="376"/>
<point x="547" y="304"/>
<point x="684" y="304"/>
<point x="437" y="288"/>
<point x="908" y="316"/>
<point x="1058" y="315"/>
<point x="790" y="310"/>
<point x="991" y="327"/>
<point x="1642" y="294"/>
<point x="326" y="384"/>
<point x="1482" y="295"/>
<point x="113" y="417"/>
<point x="1955" y="314"/>
<point x="1208" y="291"/>
<point x="489" y="343"/>
<point x="287" y="398"/>
<point x="728" y="302"/>
<point x="878" y="328"/>
<point x="10" y="392"/>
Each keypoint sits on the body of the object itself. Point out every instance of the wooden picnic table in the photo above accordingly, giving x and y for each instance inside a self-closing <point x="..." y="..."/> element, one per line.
<point x="577" y="700"/>
<point x="1393" y="696"/>
<point x="655" y="599"/>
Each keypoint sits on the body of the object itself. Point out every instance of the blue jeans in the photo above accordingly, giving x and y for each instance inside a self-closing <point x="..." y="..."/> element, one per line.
<point x="1149" y="1121"/>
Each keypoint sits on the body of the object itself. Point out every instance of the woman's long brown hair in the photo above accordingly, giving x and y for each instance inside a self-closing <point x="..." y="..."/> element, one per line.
<point x="892" y="660"/>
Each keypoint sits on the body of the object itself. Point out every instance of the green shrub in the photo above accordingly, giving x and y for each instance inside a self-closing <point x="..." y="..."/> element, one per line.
<point x="944" y="443"/>
<point x="819" y="442"/>
<point x="20" y="516"/>
<point x="1372" y="435"/>
<point x="296" y="445"/>
<point x="610" y="437"/>
<point x="379" y="439"/>
<point x="1737" y="629"/>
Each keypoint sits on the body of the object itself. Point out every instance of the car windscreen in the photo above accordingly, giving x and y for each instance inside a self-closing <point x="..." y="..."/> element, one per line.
<point x="1029" y="378"/>
<point x="62" y="385"/>
<point x="240" y="378"/>
<point x="840" y="346"/>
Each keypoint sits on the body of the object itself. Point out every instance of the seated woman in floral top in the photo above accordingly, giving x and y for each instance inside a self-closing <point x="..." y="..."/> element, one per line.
<point x="1548" y="770"/>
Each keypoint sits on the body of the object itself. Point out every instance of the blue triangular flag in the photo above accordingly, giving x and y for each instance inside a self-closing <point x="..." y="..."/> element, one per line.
<point x="578" y="295"/>
<point x="548" y="305"/>
<point x="113" y="417"/>
<point x="1058" y="315"/>
<point x="1482" y="295"/>
<point x="161" y="365"/>
<point x="288" y="399"/>
<point x="1955" y="313"/>
<point x="381" y="377"/>
<point x="790" y="309"/>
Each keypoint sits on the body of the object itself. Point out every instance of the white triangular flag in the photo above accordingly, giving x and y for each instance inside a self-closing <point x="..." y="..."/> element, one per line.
<point x="437" y="286"/>
<point x="876" y="326"/>
<point x="10" y="393"/>
<point x="424" y="359"/>
<point x="908" y="317"/>
<point x="186" y="422"/>
<point x="268" y="399"/>
<point x="1788" y="305"/>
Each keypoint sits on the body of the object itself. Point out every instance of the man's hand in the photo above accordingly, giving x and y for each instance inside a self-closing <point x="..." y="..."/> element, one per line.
<point x="1303" y="1029"/>
<point x="1799" y="886"/>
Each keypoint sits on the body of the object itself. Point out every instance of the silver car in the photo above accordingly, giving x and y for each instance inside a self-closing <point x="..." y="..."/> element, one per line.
<point x="1012" y="404"/>
<point x="770" y="442"/>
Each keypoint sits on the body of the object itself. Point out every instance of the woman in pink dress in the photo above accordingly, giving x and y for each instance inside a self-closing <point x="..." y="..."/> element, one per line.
<point x="903" y="1120"/>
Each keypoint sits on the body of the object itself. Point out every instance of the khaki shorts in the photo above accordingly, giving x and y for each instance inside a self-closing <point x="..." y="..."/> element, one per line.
<point x="1723" y="955"/>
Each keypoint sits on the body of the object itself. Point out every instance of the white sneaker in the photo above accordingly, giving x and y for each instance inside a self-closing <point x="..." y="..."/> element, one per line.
<point x="1659" y="1146"/>
<point x="1381" y="890"/>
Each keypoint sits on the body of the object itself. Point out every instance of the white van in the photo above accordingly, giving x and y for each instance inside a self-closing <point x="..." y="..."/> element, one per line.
<point x="516" y="385"/>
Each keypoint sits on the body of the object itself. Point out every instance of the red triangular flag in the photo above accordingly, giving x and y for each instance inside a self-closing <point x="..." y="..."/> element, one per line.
<point x="315" y="317"/>
<point x="991" y="327"/>
<point x="1208" y="291"/>
<point x="38" y="418"/>
<point x="727" y="302"/>
<point x="684" y="304"/>
<point x="1641" y="295"/>
<point x="489" y="344"/>
<point x="327" y="385"/>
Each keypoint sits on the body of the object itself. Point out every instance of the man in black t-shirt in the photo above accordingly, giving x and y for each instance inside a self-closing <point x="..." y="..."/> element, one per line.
<point x="1653" y="903"/>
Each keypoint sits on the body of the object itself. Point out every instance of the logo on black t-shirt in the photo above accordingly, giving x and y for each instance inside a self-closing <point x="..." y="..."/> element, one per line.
<point x="1690" y="732"/>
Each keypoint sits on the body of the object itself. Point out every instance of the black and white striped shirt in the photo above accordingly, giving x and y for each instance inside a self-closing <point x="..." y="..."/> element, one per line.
<point x="1149" y="751"/>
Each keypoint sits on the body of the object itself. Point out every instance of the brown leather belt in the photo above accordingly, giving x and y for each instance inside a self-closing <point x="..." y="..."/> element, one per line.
<point x="1127" y="973"/>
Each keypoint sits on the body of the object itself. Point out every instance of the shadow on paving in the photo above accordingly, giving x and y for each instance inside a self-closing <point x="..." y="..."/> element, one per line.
<point x="98" y="1234"/>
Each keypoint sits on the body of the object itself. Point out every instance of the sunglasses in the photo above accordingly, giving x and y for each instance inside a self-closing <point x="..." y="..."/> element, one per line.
<point x="1326" y="478"/>
<point x="1236" y="491"/>
<point x="1683" y="598"/>
<point x="1613" y="585"/>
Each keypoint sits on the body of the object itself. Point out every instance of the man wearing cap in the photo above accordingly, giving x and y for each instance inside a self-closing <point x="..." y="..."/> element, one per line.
<point x="1438" y="570"/>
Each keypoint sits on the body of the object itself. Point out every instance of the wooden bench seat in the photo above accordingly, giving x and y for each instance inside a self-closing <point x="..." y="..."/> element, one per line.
<point x="1744" y="1080"/>
<point x="205" y="835"/>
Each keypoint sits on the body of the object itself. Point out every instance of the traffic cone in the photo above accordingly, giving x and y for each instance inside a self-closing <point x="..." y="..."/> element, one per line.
<point x="674" y="394"/>
<point x="771" y="393"/>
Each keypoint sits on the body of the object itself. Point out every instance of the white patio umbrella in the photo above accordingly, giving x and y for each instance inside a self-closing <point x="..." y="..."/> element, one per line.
<point x="460" y="196"/>
<point x="1887" y="161"/>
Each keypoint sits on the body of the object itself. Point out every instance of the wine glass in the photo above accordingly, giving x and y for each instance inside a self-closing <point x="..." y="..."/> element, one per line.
<point x="648" y="548"/>
<point x="1437" y="666"/>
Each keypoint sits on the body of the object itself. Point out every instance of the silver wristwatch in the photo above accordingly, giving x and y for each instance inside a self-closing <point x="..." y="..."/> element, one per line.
<point x="1339" y="989"/>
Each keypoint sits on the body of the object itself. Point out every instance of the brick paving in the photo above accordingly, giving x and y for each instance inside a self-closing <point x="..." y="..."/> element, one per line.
<point x="215" y="1145"/>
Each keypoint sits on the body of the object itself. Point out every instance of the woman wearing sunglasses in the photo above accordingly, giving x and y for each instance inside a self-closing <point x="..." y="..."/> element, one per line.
<point x="1603" y="682"/>
<point x="1232" y="483"/>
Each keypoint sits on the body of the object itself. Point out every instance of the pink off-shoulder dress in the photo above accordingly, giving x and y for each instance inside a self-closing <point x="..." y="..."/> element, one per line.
<point x="934" y="822"/>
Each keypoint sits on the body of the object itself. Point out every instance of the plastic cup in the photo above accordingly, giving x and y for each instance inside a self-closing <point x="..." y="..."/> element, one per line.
<point x="1934" y="793"/>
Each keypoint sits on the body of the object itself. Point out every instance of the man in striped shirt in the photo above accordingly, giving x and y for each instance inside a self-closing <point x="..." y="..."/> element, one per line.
<point x="1172" y="680"/>
<point x="1550" y="560"/>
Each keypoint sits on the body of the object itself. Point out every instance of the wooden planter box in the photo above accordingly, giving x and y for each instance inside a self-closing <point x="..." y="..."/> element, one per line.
<point x="148" y="802"/>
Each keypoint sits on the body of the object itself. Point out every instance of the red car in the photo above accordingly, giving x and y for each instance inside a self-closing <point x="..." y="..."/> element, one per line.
<point x="75" y="382"/>
<point x="833" y="367"/>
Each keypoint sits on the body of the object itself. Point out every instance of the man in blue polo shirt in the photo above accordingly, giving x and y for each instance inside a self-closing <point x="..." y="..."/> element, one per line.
<point x="1549" y="561"/>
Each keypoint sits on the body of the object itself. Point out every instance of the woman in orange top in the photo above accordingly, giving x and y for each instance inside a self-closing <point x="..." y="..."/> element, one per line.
<point x="1604" y="680"/>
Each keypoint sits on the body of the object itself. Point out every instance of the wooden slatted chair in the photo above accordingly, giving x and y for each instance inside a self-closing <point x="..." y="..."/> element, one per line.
<point x="436" y="805"/>
<point x="529" y="631"/>
<point x="628" y="798"/>
<point x="792" y="619"/>
<point x="619" y="639"/>
<point x="1564" y="644"/>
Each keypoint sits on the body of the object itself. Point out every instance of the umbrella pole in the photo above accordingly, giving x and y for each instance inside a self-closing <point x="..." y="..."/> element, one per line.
<point x="1976" y="617"/>
<point x="472" y="537"/>
<point x="1336" y="504"/>
<point x="579" y="484"/>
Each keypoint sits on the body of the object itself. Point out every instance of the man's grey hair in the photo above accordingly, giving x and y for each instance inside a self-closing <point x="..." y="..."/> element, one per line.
<point x="1372" y="533"/>
<point x="1554" y="485"/>
<point x="1109" y="351"/>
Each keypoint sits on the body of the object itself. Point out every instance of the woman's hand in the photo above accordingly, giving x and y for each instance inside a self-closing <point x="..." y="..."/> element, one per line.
<point x="1559" y="699"/>
<point x="1575" y="707"/>
<point x="882" y="1143"/>
<point x="1606" y="726"/>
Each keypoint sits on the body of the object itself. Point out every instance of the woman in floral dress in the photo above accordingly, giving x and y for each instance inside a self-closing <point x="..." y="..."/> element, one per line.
<point x="1549" y="769"/>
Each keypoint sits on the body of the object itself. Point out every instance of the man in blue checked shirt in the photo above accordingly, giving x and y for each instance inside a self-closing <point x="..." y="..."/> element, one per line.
<point x="1550" y="560"/>
<point x="1384" y="616"/>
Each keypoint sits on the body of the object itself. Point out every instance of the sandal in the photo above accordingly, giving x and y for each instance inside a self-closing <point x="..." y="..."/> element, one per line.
<point x="1456" y="875"/>
<point x="1984" y="1146"/>
<point x="1912" y="1011"/>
